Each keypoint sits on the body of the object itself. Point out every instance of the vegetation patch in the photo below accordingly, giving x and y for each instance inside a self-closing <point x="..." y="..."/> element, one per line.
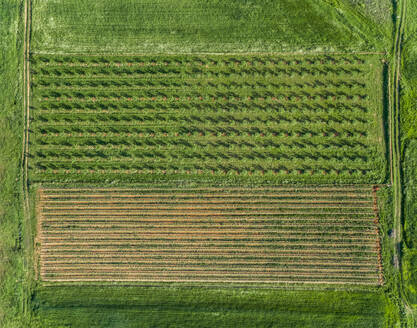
<point x="307" y="235"/>
<point x="219" y="118"/>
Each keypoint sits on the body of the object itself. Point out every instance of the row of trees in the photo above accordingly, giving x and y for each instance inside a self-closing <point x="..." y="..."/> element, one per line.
<point x="259" y="83"/>
<point x="186" y="71"/>
<point x="199" y="60"/>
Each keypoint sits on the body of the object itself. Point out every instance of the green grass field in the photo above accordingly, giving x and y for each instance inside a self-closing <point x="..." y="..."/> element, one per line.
<point x="184" y="26"/>
<point x="197" y="98"/>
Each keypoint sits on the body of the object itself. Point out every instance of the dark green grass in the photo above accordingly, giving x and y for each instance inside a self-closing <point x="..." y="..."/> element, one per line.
<point x="183" y="26"/>
<point x="219" y="118"/>
<point x="11" y="128"/>
<point x="105" y="306"/>
<point x="410" y="218"/>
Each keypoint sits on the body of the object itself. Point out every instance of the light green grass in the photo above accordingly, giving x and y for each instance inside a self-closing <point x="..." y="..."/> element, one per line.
<point x="11" y="256"/>
<point x="183" y="26"/>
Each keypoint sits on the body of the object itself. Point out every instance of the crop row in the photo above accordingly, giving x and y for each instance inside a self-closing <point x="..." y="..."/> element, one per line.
<point x="196" y="71"/>
<point x="287" y="168"/>
<point x="194" y="118"/>
<point x="59" y="226"/>
<point x="121" y="140"/>
<point x="199" y="59"/>
<point x="285" y="152"/>
<point x="84" y="144"/>
<point x="220" y="130"/>
<point x="220" y="255"/>
<point x="219" y="106"/>
<point x="93" y="173"/>
<point x="157" y="95"/>
<point x="230" y="83"/>
<point x="91" y="251"/>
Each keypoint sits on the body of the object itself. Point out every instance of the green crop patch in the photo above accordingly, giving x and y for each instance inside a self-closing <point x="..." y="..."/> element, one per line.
<point x="234" y="118"/>
<point x="114" y="306"/>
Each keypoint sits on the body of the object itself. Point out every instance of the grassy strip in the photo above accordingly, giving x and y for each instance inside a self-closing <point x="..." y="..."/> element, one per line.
<point x="12" y="276"/>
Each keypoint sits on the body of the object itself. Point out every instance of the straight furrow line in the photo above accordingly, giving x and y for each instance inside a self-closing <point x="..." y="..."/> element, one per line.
<point x="71" y="233"/>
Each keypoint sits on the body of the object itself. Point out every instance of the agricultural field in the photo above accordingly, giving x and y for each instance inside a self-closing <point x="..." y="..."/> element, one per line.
<point x="217" y="118"/>
<point x="313" y="235"/>
<point x="207" y="163"/>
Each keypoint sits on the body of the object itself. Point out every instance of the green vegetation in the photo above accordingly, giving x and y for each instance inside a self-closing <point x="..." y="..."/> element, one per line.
<point x="103" y="307"/>
<point x="409" y="154"/>
<point x="243" y="118"/>
<point x="11" y="254"/>
<point x="184" y="26"/>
